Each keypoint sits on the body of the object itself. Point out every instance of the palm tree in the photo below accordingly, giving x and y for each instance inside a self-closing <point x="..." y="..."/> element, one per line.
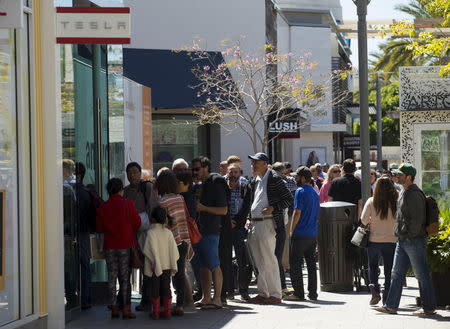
<point x="395" y="53"/>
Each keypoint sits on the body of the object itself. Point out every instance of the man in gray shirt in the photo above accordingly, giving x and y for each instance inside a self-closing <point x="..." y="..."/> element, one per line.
<point x="411" y="246"/>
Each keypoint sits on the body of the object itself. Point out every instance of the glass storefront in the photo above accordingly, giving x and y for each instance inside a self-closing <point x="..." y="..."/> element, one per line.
<point x="173" y="138"/>
<point x="435" y="162"/>
<point x="16" y="242"/>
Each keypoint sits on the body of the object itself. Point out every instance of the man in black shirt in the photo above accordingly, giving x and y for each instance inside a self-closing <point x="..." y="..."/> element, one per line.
<point x="347" y="188"/>
<point x="212" y="204"/>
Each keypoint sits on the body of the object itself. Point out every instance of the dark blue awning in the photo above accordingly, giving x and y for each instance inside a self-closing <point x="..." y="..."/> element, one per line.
<point x="167" y="73"/>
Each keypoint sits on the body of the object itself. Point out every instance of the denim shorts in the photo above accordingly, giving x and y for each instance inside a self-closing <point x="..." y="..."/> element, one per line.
<point x="208" y="249"/>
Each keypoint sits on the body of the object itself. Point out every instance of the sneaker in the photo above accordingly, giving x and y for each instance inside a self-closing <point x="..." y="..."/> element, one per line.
<point x="197" y="296"/>
<point x="245" y="296"/>
<point x="287" y="292"/>
<point x="424" y="312"/>
<point x="293" y="298"/>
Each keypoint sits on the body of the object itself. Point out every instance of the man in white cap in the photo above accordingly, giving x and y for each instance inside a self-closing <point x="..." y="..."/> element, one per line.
<point x="270" y="197"/>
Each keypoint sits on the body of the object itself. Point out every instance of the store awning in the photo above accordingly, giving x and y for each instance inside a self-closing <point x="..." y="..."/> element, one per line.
<point x="167" y="73"/>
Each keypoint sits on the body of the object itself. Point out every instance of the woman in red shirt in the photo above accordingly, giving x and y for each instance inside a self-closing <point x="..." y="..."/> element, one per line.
<point x="119" y="220"/>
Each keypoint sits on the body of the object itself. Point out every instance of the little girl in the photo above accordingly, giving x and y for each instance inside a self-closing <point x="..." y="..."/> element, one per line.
<point x="161" y="255"/>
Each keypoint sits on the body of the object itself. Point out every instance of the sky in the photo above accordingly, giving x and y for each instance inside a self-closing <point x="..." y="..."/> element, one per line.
<point x="377" y="9"/>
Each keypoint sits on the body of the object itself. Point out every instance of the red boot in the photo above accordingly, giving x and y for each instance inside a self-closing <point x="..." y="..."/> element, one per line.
<point x="114" y="311"/>
<point x="155" y="305"/>
<point x="126" y="313"/>
<point x="167" y="308"/>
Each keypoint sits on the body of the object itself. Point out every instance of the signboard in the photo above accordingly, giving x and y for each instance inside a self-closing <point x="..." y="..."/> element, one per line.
<point x="93" y="25"/>
<point x="422" y="89"/>
<point x="2" y="237"/>
<point x="286" y="125"/>
<point x="351" y="142"/>
<point x="11" y="14"/>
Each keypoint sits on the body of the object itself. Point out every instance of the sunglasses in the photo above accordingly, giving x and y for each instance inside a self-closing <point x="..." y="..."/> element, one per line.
<point x="336" y="171"/>
<point x="373" y="174"/>
<point x="196" y="168"/>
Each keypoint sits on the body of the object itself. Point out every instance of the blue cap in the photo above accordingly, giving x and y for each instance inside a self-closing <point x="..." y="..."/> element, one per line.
<point x="259" y="157"/>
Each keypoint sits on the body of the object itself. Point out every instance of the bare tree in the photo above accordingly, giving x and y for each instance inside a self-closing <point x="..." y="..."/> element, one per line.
<point x="238" y="93"/>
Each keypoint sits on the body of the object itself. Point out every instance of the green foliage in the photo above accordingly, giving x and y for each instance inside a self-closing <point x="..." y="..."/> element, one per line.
<point x="439" y="245"/>
<point x="389" y="96"/>
<point x="409" y="46"/>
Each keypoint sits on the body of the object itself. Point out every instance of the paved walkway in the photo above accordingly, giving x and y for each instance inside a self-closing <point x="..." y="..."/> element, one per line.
<point x="332" y="310"/>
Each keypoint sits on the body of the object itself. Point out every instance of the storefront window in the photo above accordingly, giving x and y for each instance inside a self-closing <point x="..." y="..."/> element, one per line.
<point x="9" y="262"/>
<point x="435" y="151"/>
<point x="174" y="138"/>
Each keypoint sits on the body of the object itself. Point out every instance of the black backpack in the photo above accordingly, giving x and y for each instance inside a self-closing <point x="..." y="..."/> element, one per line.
<point x="432" y="215"/>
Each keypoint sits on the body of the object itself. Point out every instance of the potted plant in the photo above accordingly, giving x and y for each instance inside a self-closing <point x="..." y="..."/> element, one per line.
<point x="438" y="251"/>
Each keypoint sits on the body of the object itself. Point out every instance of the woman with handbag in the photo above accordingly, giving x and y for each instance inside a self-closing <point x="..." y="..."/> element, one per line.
<point x="167" y="186"/>
<point x="119" y="220"/>
<point x="379" y="212"/>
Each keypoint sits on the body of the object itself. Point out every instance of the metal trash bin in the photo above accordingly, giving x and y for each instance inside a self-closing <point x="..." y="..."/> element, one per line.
<point x="335" y="251"/>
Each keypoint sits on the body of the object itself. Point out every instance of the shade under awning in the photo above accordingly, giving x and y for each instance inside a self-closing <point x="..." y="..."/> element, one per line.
<point x="167" y="73"/>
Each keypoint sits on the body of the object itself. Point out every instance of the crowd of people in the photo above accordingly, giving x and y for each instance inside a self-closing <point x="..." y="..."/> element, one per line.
<point x="267" y="223"/>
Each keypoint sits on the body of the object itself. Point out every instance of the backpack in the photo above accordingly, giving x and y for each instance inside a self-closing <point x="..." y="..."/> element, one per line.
<point x="432" y="215"/>
<point x="143" y="190"/>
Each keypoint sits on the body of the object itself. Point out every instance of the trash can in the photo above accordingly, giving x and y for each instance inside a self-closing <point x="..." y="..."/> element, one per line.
<point x="335" y="251"/>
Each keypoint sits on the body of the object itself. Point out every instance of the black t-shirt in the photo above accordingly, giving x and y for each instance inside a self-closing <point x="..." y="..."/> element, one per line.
<point x="213" y="194"/>
<point x="346" y="188"/>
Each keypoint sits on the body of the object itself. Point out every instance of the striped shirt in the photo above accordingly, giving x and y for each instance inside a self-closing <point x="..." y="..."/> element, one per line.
<point x="174" y="204"/>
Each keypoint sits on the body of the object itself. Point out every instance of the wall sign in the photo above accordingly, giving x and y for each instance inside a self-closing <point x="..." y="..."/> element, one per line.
<point x="288" y="126"/>
<point x="93" y="25"/>
<point x="352" y="142"/>
<point x="422" y="89"/>
<point x="11" y="14"/>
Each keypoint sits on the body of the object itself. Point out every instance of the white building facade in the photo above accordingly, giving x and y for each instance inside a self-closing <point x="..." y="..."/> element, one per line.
<point x="306" y="26"/>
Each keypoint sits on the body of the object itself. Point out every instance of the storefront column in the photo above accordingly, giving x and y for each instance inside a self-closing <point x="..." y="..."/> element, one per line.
<point x="48" y="166"/>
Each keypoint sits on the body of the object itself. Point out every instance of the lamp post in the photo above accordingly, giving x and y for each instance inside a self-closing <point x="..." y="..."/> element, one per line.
<point x="361" y="6"/>
<point x="379" y="126"/>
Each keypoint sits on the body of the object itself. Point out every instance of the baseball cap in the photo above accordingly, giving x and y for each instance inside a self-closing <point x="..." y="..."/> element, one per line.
<point x="406" y="169"/>
<point x="303" y="171"/>
<point x="259" y="156"/>
<point x="393" y="166"/>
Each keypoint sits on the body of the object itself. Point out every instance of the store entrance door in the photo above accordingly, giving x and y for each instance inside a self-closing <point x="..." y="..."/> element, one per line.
<point x="85" y="140"/>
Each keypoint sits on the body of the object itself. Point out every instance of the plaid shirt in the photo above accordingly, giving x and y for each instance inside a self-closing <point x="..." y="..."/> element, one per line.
<point x="236" y="200"/>
<point x="290" y="182"/>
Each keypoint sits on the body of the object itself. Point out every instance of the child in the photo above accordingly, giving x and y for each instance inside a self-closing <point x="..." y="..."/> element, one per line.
<point x="161" y="255"/>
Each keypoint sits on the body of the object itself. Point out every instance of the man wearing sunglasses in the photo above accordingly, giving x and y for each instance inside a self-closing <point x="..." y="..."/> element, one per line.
<point x="212" y="205"/>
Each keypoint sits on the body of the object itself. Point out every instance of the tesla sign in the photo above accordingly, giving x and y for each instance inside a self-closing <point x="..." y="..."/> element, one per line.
<point x="93" y="25"/>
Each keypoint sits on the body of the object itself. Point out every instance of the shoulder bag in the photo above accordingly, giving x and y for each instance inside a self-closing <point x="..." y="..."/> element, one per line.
<point x="194" y="232"/>
<point x="136" y="256"/>
<point x="361" y="236"/>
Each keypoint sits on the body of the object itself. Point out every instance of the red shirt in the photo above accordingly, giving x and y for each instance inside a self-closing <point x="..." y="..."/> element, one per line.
<point x="119" y="220"/>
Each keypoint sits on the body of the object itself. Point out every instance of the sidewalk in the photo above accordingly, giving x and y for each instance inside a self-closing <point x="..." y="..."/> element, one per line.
<point x="332" y="310"/>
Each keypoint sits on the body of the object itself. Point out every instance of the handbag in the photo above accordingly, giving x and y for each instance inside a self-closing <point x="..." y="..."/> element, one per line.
<point x="96" y="242"/>
<point x="136" y="256"/>
<point x="361" y="237"/>
<point x="194" y="233"/>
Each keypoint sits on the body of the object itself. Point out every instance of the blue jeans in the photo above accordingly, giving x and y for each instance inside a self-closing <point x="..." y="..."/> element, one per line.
<point x="414" y="252"/>
<point x="386" y="250"/>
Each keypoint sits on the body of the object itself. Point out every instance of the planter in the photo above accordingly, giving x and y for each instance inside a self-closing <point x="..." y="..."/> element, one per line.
<point x="441" y="284"/>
